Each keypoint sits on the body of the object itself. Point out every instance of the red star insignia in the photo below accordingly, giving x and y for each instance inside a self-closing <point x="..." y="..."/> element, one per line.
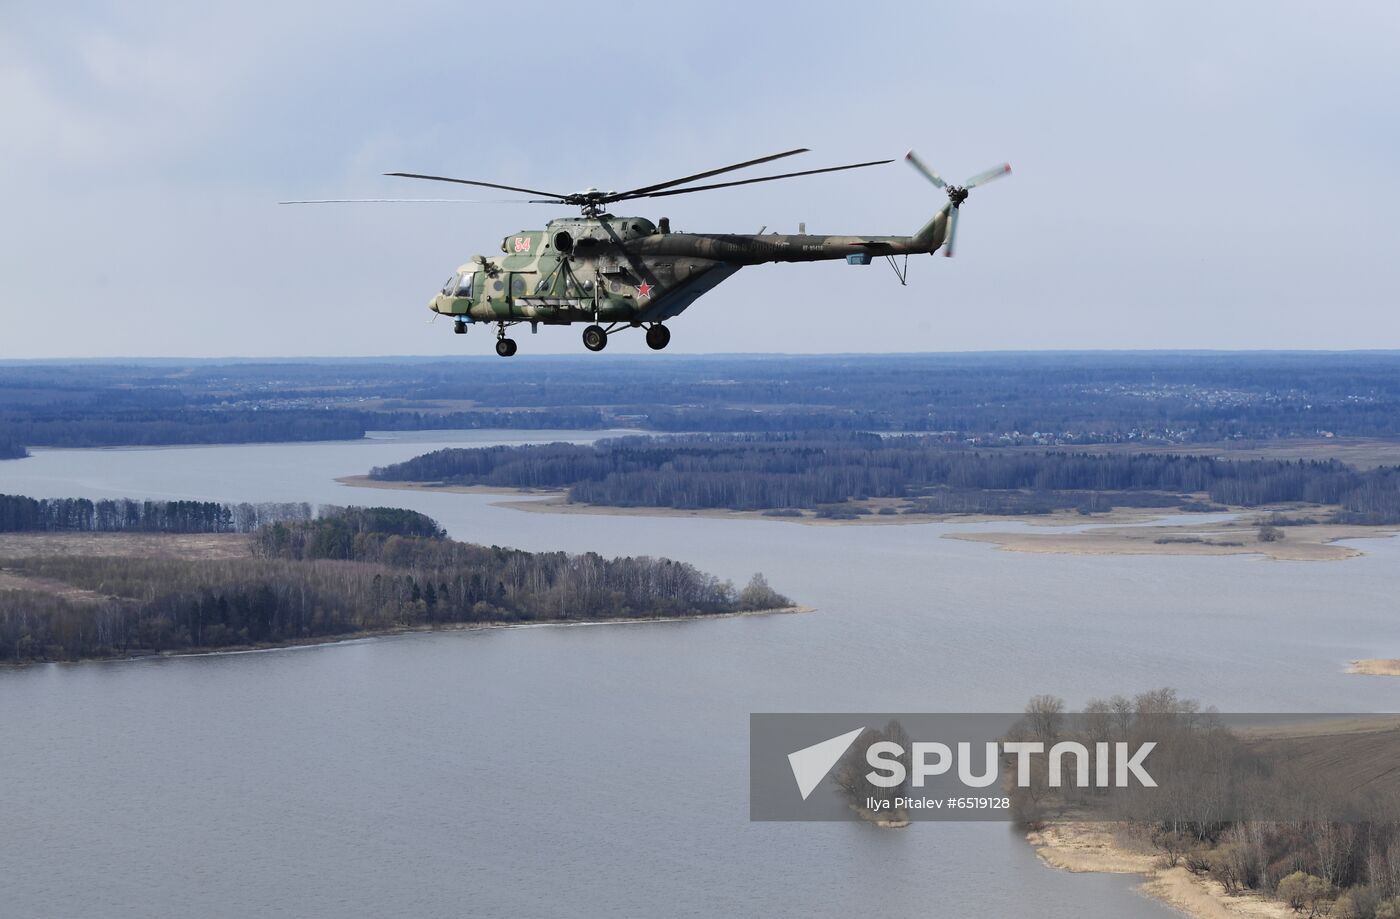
<point x="643" y="289"/>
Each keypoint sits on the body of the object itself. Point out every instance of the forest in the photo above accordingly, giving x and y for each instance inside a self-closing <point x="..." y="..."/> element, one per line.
<point x="992" y="399"/>
<point x="78" y="428"/>
<point x="819" y="471"/>
<point x="350" y="571"/>
<point x="71" y="427"/>
<point x="20" y="514"/>
<point x="1312" y="820"/>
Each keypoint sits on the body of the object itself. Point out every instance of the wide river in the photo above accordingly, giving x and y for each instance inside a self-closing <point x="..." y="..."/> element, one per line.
<point x="592" y="771"/>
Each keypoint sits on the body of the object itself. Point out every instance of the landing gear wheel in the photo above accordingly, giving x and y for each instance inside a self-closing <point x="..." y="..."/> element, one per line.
<point x="594" y="338"/>
<point x="658" y="337"/>
<point x="459" y="327"/>
<point x="505" y="347"/>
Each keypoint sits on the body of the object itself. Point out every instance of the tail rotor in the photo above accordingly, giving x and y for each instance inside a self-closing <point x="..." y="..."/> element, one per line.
<point x="957" y="194"/>
<point x="926" y="172"/>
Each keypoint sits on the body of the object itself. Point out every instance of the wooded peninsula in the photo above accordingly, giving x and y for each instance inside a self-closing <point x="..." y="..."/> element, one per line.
<point x="346" y="572"/>
<point x="827" y="471"/>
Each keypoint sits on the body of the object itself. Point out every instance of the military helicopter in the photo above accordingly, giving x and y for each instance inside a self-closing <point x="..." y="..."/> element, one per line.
<point x="616" y="273"/>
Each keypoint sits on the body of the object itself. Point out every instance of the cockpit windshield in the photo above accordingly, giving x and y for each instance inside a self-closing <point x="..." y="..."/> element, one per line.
<point x="459" y="285"/>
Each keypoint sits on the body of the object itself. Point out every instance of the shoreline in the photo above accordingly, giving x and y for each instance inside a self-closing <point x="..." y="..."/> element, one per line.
<point x="1103" y="848"/>
<point x="296" y="644"/>
<point x="1321" y="542"/>
<point x="1121" y="531"/>
<point x="1375" y="666"/>
<point x="894" y="820"/>
<point x="554" y="501"/>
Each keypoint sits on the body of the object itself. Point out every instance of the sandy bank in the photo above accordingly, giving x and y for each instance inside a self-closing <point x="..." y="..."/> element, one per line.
<point x="885" y="820"/>
<point x="1111" y="848"/>
<point x="1316" y="542"/>
<point x="1122" y="531"/>
<point x="364" y="481"/>
<point x="1376" y="666"/>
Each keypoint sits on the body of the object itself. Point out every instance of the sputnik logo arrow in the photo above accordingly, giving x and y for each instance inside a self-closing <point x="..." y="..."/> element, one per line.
<point x="811" y="764"/>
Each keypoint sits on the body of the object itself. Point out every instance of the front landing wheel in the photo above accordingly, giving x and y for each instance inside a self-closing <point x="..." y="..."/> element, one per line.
<point x="658" y="337"/>
<point x="594" y="338"/>
<point x="505" y="347"/>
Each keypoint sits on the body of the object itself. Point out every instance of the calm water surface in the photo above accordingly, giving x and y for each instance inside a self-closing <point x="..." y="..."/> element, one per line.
<point x="602" y="770"/>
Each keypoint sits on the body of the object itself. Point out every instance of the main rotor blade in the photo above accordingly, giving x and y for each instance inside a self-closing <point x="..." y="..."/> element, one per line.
<point x="926" y="172"/>
<point x="786" y="175"/>
<point x="647" y="189"/>
<point x="408" y="201"/>
<point x="982" y="178"/>
<point x="952" y="233"/>
<point x="528" y="191"/>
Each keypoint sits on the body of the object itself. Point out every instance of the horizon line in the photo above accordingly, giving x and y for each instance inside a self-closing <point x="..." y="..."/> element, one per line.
<point x="730" y="355"/>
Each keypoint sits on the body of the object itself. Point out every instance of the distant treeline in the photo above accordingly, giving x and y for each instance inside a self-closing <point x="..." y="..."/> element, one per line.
<point x="176" y="426"/>
<point x="193" y="426"/>
<point x="355" y="570"/>
<point x="761" y="472"/>
<point x="989" y="398"/>
<point x="531" y="420"/>
<point x="20" y="514"/>
<point x="12" y="449"/>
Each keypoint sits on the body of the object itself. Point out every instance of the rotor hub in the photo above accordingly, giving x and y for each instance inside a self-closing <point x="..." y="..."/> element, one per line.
<point x="591" y="200"/>
<point x="957" y="194"/>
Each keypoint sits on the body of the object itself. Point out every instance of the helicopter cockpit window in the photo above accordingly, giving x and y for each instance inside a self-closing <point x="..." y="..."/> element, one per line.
<point x="464" y="284"/>
<point x="450" y="287"/>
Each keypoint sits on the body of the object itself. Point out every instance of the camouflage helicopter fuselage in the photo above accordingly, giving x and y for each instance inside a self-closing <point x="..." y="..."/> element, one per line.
<point x="606" y="269"/>
<point x="619" y="272"/>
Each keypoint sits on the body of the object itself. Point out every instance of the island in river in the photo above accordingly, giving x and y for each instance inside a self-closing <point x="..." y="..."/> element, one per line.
<point x="1293" y="532"/>
<point x="1282" y="508"/>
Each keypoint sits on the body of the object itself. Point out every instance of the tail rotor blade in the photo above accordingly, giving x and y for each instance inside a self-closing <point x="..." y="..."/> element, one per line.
<point x="957" y="194"/>
<point x="982" y="178"/>
<point x="926" y="172"/>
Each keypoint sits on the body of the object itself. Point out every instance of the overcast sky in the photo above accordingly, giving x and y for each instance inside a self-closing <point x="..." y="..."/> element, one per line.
<point x="1212" y="175"/>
